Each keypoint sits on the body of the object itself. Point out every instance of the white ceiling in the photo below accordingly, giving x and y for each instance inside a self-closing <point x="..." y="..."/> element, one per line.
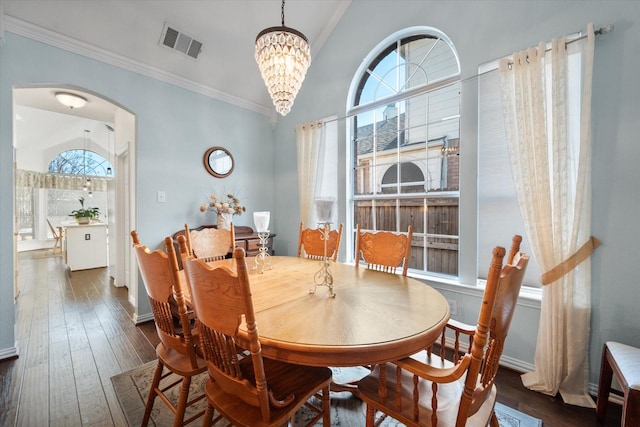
<point x="129" y="32"/>
<point x="42" y="123"/>
<point x="226" y="68"/>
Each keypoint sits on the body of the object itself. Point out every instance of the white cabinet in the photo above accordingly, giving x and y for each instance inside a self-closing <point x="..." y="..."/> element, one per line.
<point x="85" y="246"/>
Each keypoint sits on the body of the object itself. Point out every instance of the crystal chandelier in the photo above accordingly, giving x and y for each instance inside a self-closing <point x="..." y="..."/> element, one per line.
<point x="283" y="55"/>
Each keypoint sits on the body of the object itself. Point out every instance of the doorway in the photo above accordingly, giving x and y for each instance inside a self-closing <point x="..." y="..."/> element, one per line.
<point x="43" y="129"/>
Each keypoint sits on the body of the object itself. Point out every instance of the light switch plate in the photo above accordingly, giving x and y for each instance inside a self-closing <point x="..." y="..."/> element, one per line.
<point x="162" y="196"/>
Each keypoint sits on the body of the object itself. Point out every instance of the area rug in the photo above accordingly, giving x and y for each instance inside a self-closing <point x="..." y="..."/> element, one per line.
<point x="132" y="388"/>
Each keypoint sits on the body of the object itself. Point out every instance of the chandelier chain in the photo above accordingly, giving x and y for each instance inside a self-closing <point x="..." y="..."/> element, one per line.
<point x="282" y="13"/>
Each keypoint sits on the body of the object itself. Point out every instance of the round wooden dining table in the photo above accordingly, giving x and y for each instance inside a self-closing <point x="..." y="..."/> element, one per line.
<point x="374" y="317"/>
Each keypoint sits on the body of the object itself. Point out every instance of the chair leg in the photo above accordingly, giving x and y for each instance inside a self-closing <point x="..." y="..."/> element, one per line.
<point x="494" y="420"/>
<point x="604" y="385"/>
<point x="182" y="402"/>
<point x="152" y="393"/>
<point x="208" y="416"/>
<point x="326" y="407"/>
<point x="371" y="415"/>
<point x="631" y="408"/>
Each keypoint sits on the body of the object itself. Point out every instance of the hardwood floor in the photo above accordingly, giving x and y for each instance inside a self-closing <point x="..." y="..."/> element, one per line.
<point x="74" y="331"/>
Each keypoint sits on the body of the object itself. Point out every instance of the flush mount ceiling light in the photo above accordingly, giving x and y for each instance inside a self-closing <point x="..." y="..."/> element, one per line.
<point x="283" y="55"/>
<point x="71" y="100"/>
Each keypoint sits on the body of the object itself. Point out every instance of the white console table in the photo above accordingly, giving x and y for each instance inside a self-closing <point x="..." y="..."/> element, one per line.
<point x="85" y="245"/>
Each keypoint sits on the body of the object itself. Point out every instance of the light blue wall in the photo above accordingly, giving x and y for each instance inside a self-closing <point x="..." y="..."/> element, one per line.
<point x="176" y="126"/>
<point x="174" y="129"/>
<point x="481" y="32"/>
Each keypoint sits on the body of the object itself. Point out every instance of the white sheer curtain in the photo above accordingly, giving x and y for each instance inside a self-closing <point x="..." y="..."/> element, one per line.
<point x="549" y="141"/>
<point x="317" y="166"/>
<point x="25" y="178"/>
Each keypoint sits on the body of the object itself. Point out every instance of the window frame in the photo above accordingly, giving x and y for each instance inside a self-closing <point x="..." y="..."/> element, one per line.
<point x="376" y="55"/>
<point x="92" y="163"/>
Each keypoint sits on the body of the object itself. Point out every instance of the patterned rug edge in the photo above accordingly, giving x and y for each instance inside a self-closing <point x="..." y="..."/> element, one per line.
<point x="131" y="389"/>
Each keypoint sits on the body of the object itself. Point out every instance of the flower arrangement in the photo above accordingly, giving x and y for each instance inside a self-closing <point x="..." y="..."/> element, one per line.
<point x="230" y="205"/>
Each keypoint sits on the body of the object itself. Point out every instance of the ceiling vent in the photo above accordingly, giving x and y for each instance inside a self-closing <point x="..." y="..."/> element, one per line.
<point x="179" y="41"/>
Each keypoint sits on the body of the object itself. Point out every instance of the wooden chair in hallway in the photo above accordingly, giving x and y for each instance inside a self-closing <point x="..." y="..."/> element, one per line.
<point x="311" y="243"/>
<point x="57" y="235"/>
<point x="245" y="388"/>
<point x="384" y="250"/>
<point x="210" y="244"/>
<point x="459" y="393"/>
<point x="177" y="350"/>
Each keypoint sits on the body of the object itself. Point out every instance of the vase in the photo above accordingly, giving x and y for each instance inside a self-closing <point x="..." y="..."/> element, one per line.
<point x="224" y="220"/>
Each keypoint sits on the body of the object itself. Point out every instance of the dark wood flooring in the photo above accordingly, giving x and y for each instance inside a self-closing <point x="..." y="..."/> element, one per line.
<point x="74" y="331"/>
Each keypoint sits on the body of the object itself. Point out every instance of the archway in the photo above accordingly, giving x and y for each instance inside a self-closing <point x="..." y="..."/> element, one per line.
<point x="44" y="128"/>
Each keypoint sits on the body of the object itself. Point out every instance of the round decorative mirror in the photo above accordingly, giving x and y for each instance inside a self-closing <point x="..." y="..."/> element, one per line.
<point x="218" y="161"/>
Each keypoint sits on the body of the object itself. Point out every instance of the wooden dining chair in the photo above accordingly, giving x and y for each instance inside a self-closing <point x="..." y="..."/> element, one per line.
<point x="433" y="391"/>
<point x="311" y="243"/>
<point x="244" y="387"/>
<point x="384" y="250"/>
<point x="57" y="235"/>
<point x="455" y="330"/>
<point x="177" y="350"/>
<point x="210" y="244"/>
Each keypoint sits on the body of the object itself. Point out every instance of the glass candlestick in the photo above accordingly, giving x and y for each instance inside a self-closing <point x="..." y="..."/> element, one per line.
<point x="261" y="220"/>
<point x="263" y="259"/>
<point x="323" y="276"/>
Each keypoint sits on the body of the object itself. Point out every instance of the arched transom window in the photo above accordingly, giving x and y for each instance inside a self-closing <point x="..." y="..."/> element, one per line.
<point x="405" y="133"/>
<point x="81" y="162"/>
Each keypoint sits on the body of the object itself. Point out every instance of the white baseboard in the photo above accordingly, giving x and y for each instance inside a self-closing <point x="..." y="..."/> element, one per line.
<point x="515" y="364"/>
<point x="506" y="361"/>
<point x="522" y="366"/>
<point x="142" y="318"/>
<point x="7" y="353"/>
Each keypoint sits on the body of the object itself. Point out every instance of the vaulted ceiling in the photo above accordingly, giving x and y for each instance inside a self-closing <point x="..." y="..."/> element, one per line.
<point x="131" y="30"/>
<point x="129" y="33"/>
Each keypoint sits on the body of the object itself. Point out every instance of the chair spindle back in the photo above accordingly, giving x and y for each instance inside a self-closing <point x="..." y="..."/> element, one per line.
<point x="384" y="250"/>
<point x="311" y="241"/>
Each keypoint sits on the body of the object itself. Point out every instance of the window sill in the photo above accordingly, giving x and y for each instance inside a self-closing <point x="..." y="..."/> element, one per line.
<point x="529" y="295"/>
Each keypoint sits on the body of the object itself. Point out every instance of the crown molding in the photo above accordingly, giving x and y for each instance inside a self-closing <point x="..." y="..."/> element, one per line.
<point x="61" y="41"/>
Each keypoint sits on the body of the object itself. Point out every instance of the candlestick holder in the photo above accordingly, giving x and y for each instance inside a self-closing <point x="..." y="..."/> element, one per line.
<point x="263" y="259"/>
<point x="323" y="276"/>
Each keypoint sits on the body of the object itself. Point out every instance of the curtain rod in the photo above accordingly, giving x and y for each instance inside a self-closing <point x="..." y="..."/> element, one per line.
<point x="487" y="67"/>
<point x="598" y="31"/>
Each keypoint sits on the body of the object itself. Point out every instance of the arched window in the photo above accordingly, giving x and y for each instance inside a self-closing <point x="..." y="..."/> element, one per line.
<point x="81" y="162"/>
<point x="411" y="179"/>
<point x="405" y="116"/>
<point x="75" y="174"/>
